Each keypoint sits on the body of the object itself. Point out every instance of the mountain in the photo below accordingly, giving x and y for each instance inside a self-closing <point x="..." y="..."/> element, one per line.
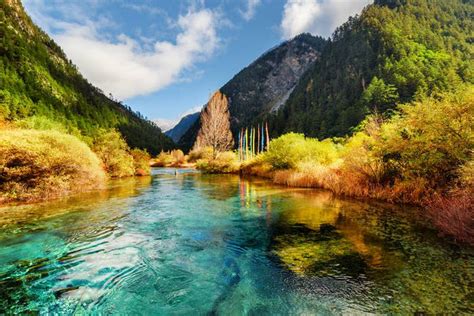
<point x="395" y="51"/>
<point x="263" y="86"/>
<point x="183" y="125"/>
<point x="36" y="78"/>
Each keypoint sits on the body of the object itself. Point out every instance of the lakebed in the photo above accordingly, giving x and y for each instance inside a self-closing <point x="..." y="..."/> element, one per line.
<point x="194" y="243"/>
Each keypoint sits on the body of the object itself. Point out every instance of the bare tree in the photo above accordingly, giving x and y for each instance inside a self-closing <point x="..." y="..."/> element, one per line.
<point x="215" y="125"/>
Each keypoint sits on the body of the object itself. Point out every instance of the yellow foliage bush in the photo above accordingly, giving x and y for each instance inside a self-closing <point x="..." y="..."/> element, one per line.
<point x="112" y="149"/>
<point x="205" y="153"/>
<point x="36" y="165"/>
<point x="174" y="158"/>
<point x="226" y="162"/>
<point x="141" y="161"/>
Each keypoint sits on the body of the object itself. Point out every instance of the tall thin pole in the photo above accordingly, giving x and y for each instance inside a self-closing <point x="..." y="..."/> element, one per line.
<point x="240" y="144"/>
<point x="251" y="142"/>
<point x="258" y="138"/>
<point x="246" y="143"/>
<point x="268" y="136"/>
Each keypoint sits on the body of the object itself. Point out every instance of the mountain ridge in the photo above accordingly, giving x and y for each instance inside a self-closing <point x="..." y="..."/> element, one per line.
<point x="182" y="126"/>
<point x="395" y="51"/>
<point x="264" y="84"/>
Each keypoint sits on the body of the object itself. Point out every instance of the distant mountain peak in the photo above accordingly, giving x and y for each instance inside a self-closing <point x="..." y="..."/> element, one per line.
<point x="265" y="84"/>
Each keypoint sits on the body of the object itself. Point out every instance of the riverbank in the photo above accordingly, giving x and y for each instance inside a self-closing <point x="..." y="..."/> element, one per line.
<point x="41" y="160"/>
<point x="421" y="155"/>
<point x="281" y="250"/>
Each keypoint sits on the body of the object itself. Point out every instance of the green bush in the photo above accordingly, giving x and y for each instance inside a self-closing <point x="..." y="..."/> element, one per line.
<point x="41" y="123"/>
<point x="290" y="150"/>
<point x="112" y="149"/>
<point x="37" y="165"/>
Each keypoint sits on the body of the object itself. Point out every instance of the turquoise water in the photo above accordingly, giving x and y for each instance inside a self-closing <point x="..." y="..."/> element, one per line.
<point x="214" y="244"/>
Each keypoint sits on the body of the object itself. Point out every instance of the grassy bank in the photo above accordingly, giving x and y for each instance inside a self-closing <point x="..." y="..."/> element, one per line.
<point x="40" y="160"/>
<point x="422" y="154"/>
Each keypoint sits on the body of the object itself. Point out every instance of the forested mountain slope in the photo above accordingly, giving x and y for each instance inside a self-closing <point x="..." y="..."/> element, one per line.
<point x="36" y="78"/>
<point x="396" y="51"/>
<point x="264" y="85"/>
<point x="183" y="125"/>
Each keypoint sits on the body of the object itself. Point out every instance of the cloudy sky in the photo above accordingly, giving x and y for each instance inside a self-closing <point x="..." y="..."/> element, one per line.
<point x="165" y="57"/>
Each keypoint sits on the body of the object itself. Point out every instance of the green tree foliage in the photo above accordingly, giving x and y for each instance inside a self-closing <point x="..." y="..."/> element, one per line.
<point x="36" y="78"/>
<point x="379" y="97"/>
<point x="112" y="149"/>
<point x="406" y="50"/>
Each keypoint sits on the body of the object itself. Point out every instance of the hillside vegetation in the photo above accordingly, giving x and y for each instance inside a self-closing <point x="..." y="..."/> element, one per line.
<point x="37" y="79"/>
<point x="58" y="133"/>
<point x="396" y="51"/>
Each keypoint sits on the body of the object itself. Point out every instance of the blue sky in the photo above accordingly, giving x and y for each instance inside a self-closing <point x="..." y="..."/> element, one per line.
<point x="165" y="57"/>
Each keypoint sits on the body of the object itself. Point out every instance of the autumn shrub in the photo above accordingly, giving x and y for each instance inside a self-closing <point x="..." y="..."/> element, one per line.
<point x="173" y="158"/>
<point x="162" y="160"/>
<point x="36" y="165"/>
<point x="112" y="149"/>
<point x="226" y="162"/>
<point x="424" y="148"/>
<point x="200" y="153"/>
<point x="257" y="166"/>
<point x="141" y="161"/>
<point x="466" y="173"/>
<point x="430" y="139"/>
<point x="39" y="122"/>
<point x="178" y="157"/>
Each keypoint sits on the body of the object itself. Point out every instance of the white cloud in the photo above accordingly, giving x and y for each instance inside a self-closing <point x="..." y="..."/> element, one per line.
<point x="250" y="10"/>
<point x="124" y="66"/>
<point x="167" y="124"/>
<point x="317" y="17"/>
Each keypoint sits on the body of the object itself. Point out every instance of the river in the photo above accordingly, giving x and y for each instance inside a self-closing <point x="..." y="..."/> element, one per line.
<point x="217" y="244"/>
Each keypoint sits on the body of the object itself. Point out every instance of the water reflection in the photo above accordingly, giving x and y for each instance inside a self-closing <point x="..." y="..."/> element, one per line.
<point x="190" y="243"/>
<point x="26" y="213"/>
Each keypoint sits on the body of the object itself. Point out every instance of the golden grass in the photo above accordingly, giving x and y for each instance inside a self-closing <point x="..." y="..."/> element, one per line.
<point x="174" y="158"/>
<point x="454" y="214"/>
<point x="39" y="165"/>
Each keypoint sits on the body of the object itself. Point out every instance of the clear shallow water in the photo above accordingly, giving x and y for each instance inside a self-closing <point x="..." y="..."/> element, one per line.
<point x="203" y="244"/>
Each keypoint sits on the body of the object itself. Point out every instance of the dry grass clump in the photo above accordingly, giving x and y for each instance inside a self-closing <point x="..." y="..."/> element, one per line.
<point x="257" y="166"/>
<point x="38" y="165"/>
<point x="454" y="214"/>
